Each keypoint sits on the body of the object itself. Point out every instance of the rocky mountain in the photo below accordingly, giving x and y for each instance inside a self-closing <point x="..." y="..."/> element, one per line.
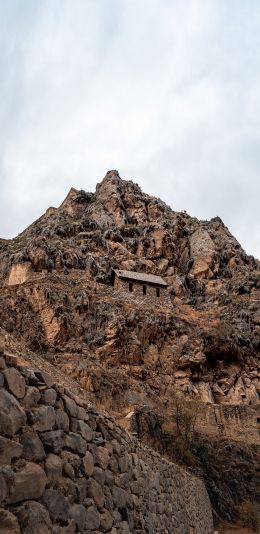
<point x="58" y="306"/>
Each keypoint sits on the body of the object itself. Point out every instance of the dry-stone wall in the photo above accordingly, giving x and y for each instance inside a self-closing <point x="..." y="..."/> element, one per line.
<point x="65" y="468"/>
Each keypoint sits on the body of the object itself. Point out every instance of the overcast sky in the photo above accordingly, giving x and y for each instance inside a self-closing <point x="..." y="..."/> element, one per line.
<point x="165" y="91"/>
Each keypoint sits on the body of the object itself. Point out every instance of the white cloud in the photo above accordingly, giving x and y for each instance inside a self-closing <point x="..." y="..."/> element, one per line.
<point x="164" y="91"/>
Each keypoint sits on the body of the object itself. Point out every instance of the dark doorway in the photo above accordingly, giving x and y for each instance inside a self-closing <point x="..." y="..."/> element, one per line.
<point x="157" y="292"/>
<point x="144" y="290"/>
<point x="130" y="287"/>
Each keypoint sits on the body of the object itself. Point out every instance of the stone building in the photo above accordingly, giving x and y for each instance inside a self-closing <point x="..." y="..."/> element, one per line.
<point x="140" y="284"/>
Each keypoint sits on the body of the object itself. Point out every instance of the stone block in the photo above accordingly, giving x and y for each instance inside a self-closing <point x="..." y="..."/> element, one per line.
<point x="29" y="483"/>
<point x="53" y="441"/>
<point x="32" y="397"/>
<point x="88" y="464"/>
<point x="95" y="491"/>
<point x="15" y="382"/>
<point x="62" y="420"/>
<point x="120" y="497"/>
<point x="102" y="457"/>
<point x="9" y="450"/>
<point x="12" y="416"/>
<point x="44" y="377"/>
<point x="34" y="518"/>
<point x="78" y="513"/>
<point x="8" y="523"/>
<point x="75" y="442"/>
<point x="106" y="521"/>
<point x="82" y="428"/>
<point x="53" y="468"/>
<point x="42" y="418"/>
<point x="92" y="518"/>
<point x="70" y="406"/>
<point x="32" y="446"/>
<point x="49" y="397"/>
<point x="56" y="504"/>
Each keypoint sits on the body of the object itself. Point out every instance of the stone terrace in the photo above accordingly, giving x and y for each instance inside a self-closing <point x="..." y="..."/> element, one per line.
<point x="65" y="468"/>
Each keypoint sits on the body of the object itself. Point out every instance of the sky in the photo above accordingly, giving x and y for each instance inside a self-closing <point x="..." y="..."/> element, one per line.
<point x="164" y="91"/>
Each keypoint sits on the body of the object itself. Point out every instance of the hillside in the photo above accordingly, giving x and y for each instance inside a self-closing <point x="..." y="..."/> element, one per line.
<point x="130" y="354"/>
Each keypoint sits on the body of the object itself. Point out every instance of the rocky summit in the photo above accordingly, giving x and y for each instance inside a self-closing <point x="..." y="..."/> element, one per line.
<point x="130" y="375"/>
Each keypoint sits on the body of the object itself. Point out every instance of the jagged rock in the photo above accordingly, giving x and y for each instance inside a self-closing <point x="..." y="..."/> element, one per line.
<point x="29" y="483"/>
<point x="12" y="416"/>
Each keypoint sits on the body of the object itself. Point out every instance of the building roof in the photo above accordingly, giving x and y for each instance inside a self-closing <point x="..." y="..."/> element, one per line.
<point x="141" y="277"/>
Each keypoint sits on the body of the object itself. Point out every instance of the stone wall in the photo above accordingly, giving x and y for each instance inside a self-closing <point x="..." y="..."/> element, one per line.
<point x="65" y="468"/>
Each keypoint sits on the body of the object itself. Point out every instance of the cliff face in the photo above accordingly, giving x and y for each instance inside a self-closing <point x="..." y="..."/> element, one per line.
<point x="57" y="303"/>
